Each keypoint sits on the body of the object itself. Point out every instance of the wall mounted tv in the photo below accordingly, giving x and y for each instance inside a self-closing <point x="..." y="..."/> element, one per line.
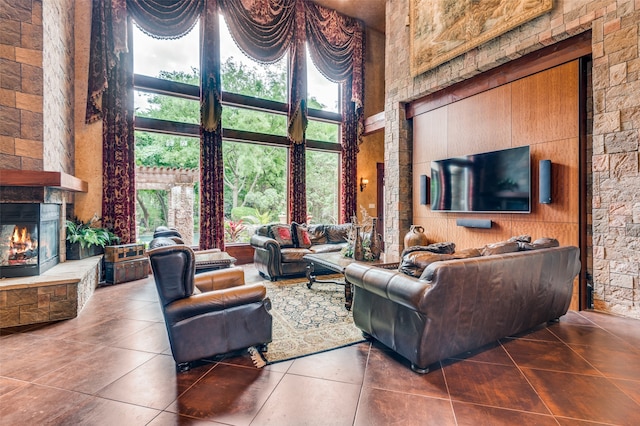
<point x="497" y="181"/>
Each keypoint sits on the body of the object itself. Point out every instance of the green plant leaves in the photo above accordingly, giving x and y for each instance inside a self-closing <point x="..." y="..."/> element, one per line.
<point x="87" y="235"/>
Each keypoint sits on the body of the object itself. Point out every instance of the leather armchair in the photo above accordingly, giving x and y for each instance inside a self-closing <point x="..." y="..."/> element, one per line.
<point x="211" y="313"/>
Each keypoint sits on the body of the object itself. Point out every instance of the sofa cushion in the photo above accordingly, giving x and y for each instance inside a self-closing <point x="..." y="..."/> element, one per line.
<point x="293" y="254"/>
<point x="282" y="234"/>
<point x="467" y="253"/>
<point x="327" y="248"/>
<point x="440" y="248"/>
<point x="264" y="231"/>
<point x="337" y="233"/>
<point x="540" y="243"/>
<point x="317" y="234"/>
<point x="500" y="248"/>
<point x="414" y="263"/>
<point x="301" y="235"/>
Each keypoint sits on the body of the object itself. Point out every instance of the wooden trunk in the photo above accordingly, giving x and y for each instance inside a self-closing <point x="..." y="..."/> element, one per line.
<point x="123" y="252"/>
<point x="125" y="271"/>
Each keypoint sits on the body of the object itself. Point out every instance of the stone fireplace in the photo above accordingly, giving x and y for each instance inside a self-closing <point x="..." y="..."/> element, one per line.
<point x="38" y="284"/>
<point x="29" y="238"/>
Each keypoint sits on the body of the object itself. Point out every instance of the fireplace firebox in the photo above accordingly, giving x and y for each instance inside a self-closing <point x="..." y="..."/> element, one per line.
<point x="29" y="238"/>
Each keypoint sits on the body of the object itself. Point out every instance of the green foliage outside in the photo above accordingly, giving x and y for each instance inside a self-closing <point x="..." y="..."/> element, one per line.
<point x="255" y="175"/>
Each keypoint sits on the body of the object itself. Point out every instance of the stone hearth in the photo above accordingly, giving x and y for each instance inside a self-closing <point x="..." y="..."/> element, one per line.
<point x="59" y="293"/>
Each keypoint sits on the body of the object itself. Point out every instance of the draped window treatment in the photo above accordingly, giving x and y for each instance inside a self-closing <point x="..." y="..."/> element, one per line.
<point x="263" y="29"/>
<point x="336" y="45"/>
<point x="110" y="98"/>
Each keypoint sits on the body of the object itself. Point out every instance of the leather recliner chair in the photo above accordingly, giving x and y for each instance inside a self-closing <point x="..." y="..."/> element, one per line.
<point x="211" y="313"/>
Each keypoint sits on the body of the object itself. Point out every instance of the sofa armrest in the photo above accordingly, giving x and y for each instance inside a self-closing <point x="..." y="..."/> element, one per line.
<point x="219" y="279"/>
<point x="389" y="284"/>
<point x="267" y="257"/>
<point x="261" y="241"/>
<point x="214" y="301"/>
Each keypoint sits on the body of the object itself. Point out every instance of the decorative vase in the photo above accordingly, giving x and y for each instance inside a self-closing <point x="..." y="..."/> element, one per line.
<point x="415" y="237"/>
<point x="374" y="240"/>
<point x="358" y="252"/>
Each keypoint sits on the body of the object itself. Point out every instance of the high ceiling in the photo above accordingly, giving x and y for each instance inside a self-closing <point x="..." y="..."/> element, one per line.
<point x="369" y="11"/>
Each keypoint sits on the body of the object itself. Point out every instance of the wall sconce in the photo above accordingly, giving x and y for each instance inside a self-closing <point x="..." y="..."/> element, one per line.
<point x="363" y="183"/>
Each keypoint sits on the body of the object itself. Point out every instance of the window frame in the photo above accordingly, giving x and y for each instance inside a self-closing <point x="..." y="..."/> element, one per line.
<point x="154" y="85"/>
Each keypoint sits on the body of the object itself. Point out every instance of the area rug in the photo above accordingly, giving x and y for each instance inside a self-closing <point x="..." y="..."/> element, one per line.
<point x="307" y="321"/>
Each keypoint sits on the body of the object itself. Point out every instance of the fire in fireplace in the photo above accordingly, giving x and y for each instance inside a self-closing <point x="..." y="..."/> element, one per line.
<point x="29" y="238"/>
<point x="23" y="250"/>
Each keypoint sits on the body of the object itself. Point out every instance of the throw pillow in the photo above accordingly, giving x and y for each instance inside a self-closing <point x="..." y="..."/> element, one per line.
<point x="317" y="234"/>
<point x="282" y="234"/>
<point x="337" y="233"/>
<point x="540" y="243"/>
<point x="500" y="248"/>
<point x="301" y="235"/>
<point x="441" y="248"/>
<point x="545" y="243"/>
<point x="520" y="239"/>
<point x="414" y="263"/>
<point x="467" y="253"/>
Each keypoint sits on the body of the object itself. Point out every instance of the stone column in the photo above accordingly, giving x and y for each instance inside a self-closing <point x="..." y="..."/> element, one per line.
<point x="181" y="198"/>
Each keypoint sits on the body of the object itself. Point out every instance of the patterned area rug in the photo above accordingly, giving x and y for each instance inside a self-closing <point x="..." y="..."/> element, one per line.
<point x="307" y="321"/>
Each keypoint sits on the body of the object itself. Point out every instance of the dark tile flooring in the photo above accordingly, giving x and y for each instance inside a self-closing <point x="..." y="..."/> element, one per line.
<point x="112" y="365"/>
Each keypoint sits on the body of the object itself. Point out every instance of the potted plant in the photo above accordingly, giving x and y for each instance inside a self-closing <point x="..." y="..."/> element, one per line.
<point x="85" y="239"/>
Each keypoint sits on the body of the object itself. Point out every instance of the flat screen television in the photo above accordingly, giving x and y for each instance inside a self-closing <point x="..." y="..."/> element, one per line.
<point x="497" y="181"/>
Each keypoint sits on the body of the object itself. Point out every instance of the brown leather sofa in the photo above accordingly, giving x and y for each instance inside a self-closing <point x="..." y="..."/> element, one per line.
<point x="278" y="254"/>
<point x="462" y="304"/>
<point x="210" y="313"/>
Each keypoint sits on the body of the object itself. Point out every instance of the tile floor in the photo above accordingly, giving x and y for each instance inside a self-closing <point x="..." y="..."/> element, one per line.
<point x="112" y="365"/>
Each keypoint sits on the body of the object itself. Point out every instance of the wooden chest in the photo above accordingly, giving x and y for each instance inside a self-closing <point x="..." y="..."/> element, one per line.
<point x="123" y="252"/>
<point x="127" y="270"/>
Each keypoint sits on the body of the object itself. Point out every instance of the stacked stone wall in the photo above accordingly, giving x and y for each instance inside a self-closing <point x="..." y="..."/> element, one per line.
<point x="36" y="85"/>
<point x="614" y="177"/>
<point x="21" y="85"/>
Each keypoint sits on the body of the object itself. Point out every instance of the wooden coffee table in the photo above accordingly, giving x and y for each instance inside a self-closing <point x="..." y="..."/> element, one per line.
<point x="336" y="262"/>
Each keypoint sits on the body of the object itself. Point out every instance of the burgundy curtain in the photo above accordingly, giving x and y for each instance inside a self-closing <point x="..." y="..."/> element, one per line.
<point x="211" y="161"/>
<point x="350" y="136"/>
<point x="336" y="45"/>
<point x="297" y="120"/>
<point x="110" y="97"/>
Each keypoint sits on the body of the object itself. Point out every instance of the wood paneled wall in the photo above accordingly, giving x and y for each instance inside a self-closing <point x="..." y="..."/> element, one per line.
<point x="542" y="111"/>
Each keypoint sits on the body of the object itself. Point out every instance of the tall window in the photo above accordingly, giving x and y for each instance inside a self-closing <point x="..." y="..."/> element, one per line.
<point x="167" y="152"/>
<point x="322" y="165"/>
<point x="254" y="122"/>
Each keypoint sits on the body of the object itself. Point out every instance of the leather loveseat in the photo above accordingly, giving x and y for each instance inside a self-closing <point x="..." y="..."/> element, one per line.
<point x="458" y="305"/>
<point x="279" y="248"/>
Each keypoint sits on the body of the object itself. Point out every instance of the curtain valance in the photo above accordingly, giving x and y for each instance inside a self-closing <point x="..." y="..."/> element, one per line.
<point x="263" y="29"/>
<point x="336" y="46"/>
<point x="165" y="18"/>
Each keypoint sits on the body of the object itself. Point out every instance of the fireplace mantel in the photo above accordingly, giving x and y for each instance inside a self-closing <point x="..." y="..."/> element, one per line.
<point x="30" y="178"/>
